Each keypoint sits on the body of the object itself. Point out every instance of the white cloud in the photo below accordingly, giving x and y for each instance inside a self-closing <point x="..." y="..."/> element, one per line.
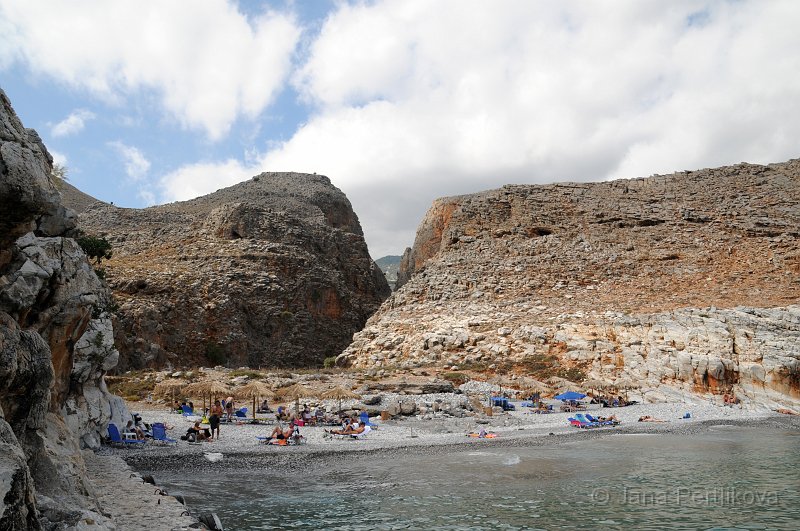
<point x="58" y="158"/>
<point x="147" y="195"/>
<point x="450" y="97"/>
<point x="208" y="62"/>
<point x="414" y="100"/>
<point x="136" y="164"/>
<point x="74" y="123"/>
<point x="194" y="180"/>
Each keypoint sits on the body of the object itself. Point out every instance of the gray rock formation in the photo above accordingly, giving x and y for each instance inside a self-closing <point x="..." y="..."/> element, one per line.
<point x="270" y="272"/>
<point x="51" y="315"/>
<point x="686" y="283"/>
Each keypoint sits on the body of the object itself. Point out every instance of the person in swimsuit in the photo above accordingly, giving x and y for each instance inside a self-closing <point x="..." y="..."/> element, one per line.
<point x="216" y="415"/>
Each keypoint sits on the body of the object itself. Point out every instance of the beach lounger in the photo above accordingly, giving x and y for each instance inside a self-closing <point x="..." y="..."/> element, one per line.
<point x="575" y="423"/>
<point x="348" y="436"/>
<point x="160" y="435"/>
<point x="604" y="422"/>
<point x="583" y="420"/>
<point x="363" y="434"/>
<point x="294" y="440"/>
<point x="582" y="424"/>
<point x="117" y="440"/>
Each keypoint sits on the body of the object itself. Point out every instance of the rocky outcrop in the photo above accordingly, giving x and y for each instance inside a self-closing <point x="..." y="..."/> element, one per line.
<point x="52" y="309"/>
<point x="270" y="272"/>
<point x="683" y="283"/>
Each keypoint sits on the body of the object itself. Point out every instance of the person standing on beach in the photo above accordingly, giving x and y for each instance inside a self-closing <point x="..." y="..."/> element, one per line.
<point x="229" y="409"/>
<point x="216" y="415"/>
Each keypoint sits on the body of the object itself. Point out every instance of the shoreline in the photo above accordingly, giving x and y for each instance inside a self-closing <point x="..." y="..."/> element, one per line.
<point x="310" y="456"/>
<point x="390" y="441"/>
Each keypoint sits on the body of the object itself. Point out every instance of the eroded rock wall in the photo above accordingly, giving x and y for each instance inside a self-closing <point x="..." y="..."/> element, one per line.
<point x="684" y="283"/>
<point x="51" y="302"/>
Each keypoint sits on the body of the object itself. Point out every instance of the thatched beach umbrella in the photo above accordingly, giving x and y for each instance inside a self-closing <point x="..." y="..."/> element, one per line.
<point x="256" y="390"/>
<point x="595" y="384"/>
<point x="339" y="393"/>
<point x="210" y="388"/>
<point x="295" y="392"/>
<point x="168" y="387"/>
<point x="626" y="383"/>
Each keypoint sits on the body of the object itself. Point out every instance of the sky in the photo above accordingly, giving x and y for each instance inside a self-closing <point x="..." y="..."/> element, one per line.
<point x="399" y="102"/>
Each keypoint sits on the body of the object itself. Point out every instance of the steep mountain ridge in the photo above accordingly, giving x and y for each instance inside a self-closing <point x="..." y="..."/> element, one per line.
<point x="654" y="279"/>
<point x="273" y="271"/>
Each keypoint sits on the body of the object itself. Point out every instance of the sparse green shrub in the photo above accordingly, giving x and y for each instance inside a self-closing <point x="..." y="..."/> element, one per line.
<point x="329" y="362"/>
<point x="133" y="388"/>
<point x="457" y="378"/>
<point x="572" y="374"/>
<point x="94" y="247"/>
<point x="250" y="373"/>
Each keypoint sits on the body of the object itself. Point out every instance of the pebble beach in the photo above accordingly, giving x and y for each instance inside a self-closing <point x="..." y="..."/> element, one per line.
<point x="238" y="445"/>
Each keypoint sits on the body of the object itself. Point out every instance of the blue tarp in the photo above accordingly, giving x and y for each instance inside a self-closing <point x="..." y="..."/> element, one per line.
<point x="570" y="395"/>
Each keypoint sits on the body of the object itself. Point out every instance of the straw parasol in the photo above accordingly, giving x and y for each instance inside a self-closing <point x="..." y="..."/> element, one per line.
<point x="626" y="383"/>
<point x="168" y="387"/>
<point x="339" y="393"/>
<point x="210" y="388"/>
<point x="595" y="384"/>
<point x="295" y="392"/>
<point x="256" y="390"/>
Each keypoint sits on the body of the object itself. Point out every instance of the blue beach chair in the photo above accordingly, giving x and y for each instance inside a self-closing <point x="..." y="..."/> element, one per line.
<point x="603" y="422"/>
<point x="583" y="420"/>
<point x="160" y="435"/>
<point x="117" y="440"/>
<point x="364" y="417"/>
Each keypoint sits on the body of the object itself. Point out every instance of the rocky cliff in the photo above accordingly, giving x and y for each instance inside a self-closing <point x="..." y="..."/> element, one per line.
<point x="55" y="344"/>
<point x="683" y="283"/>
<point x="271" y="272"/>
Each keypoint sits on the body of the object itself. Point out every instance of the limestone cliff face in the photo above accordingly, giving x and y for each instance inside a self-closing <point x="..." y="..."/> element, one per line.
<point x="53" y="400"/>
<point x="270" y="272"/>
<point x="684" y="282"/>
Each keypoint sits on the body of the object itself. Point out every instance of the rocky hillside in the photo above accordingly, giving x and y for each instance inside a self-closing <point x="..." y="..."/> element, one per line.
<point x="56" y="343"/>
<point x="684" y="283"/>
<point x="270" y="272"/>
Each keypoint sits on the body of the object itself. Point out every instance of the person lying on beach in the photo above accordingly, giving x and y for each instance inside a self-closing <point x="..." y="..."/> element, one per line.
<point x="612" y="418"/>
<point x="648" y="418"/>
<point x="350" y="430"/>
<point x="482" y="434"/>
<point x="278" y="433"/>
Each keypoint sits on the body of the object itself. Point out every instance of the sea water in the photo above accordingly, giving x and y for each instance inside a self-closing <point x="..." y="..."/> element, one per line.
<point x="724" y="478"/>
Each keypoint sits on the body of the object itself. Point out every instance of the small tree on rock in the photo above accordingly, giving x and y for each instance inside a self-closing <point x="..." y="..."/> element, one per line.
<point x="97" y="248"/>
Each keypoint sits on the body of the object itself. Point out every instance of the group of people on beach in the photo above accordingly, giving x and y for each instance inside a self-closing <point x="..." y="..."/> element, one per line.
<point x="729" y="399"/>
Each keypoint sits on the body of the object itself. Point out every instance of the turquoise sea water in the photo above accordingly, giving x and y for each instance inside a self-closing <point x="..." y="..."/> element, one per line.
<point x="724" y="478"/>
